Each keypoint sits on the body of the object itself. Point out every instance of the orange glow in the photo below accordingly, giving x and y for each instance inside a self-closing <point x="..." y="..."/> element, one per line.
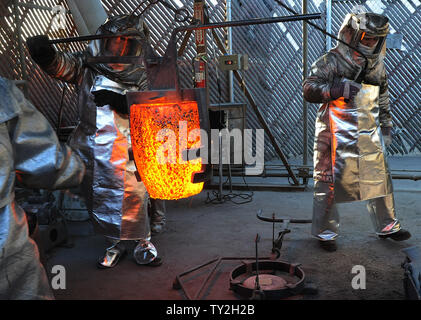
<point x="335" y="107"/>
<point x="165" y="175"/>
<point x="362" y="37"/>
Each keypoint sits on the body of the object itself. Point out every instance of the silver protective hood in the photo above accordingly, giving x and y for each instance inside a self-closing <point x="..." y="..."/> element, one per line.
<point x="354" y="27"/>
<point x="129" y="74"/>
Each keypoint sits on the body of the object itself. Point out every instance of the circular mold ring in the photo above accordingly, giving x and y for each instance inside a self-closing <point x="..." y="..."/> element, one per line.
<point x="277" y="279"/>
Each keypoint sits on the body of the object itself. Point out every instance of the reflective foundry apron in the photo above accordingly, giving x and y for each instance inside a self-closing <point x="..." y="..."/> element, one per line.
<point x="360" y="170"/>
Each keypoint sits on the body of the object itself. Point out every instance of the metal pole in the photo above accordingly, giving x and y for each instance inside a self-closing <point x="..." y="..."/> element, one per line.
<point x="328" y="24"/>
<point x="18" y="31"/>
<point x="249" y="22"/>
<point x="305" y="106"/>
<point x="230" y="73"/>
<point x="196" y="27"/>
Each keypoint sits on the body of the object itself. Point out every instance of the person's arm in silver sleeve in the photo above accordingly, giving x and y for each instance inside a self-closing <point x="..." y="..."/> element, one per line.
<point x="41" y="161"/>
<point x="316" y="87"/>
<point x="64" y="66"/>
<point x="325" y="83"/>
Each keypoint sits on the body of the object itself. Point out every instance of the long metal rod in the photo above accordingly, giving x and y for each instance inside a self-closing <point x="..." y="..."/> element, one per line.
<point x="305" y="105"/>
<point x="273" y="219"/>
<point x="240" y="23"/>
<point x="323" y="31"/>
<point x="196" y="27"/>
<point x="310" y="175"/>
<point x="207" y="278"/>
<point x="92" y="37"/>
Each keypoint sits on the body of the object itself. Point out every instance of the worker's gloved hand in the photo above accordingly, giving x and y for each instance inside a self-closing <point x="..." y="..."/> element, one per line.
<point x="41" y="51"/>
<point x="344" y="88"/>
<point x="387" y="135"/>
<point x="116" y="101"/>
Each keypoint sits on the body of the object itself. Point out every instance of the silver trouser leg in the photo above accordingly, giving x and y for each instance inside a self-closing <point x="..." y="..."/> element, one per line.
<point x="325" y="224"/>
<point x="158" y="212"/>
<point x="144" y="252"/>
<point x="382" y="214"/>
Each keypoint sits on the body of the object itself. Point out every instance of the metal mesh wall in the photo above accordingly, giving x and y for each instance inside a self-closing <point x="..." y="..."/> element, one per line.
<point x="275" y="53"/>
<point x="275" y="73"/>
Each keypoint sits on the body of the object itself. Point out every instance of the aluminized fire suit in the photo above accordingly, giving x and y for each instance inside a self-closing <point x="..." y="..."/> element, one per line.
<point x="349" y="161"/>
<point x="29" y="151"/>
<point x="115" y="198"/>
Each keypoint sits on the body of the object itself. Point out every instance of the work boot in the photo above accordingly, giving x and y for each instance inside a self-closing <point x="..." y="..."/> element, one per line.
<point x="328" y="245"/>
<point x="400" y="235"/>
<point x="157" y="226"/>
<point x="157" y="213"/>
<point x="112" y="256"/>
<point x="145" y="253"/>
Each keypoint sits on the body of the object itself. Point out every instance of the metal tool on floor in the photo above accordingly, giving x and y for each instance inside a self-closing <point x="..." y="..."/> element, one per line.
<point x="258" y="293"/>
<point x="259" y="278"/>
<point x="277" y="244"/>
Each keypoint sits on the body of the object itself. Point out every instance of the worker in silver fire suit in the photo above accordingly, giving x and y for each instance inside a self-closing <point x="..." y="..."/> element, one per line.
<point x="116" y="200"/>
<point x="353" y="127"/>
<point x="30" y="152"/>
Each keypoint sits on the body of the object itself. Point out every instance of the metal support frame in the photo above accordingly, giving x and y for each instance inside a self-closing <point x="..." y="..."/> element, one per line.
<point x="178" y="284"/>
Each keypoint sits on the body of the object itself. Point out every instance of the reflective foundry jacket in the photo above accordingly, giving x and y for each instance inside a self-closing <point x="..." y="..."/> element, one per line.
<point x="355" y="161"/>
<point x="31" y="152"/>
<point x="342" y="61"/>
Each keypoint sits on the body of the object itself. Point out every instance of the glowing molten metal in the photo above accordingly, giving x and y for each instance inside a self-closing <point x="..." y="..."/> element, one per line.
<point x="157" y="131"/>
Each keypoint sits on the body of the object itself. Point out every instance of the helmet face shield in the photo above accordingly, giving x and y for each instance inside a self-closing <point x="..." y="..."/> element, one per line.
<point x="370" y="44"/>
<point x="121" y="46"/>
<point x="133" y="41"/>
<point x="365" y="30"/>
<point x="369" y="41"/>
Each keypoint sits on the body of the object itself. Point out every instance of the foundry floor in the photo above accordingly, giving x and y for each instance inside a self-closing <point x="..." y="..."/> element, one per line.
<point x="197" y="232"/>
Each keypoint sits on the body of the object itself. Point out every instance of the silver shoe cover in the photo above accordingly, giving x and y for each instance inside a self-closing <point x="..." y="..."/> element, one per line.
<point x="112" y="254"/>
<point x="382" y="214"/>
<point x="144" y="252"/>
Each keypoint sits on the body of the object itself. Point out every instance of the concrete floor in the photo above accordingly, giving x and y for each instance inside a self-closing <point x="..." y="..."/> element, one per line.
<point x="197" y="232"/>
